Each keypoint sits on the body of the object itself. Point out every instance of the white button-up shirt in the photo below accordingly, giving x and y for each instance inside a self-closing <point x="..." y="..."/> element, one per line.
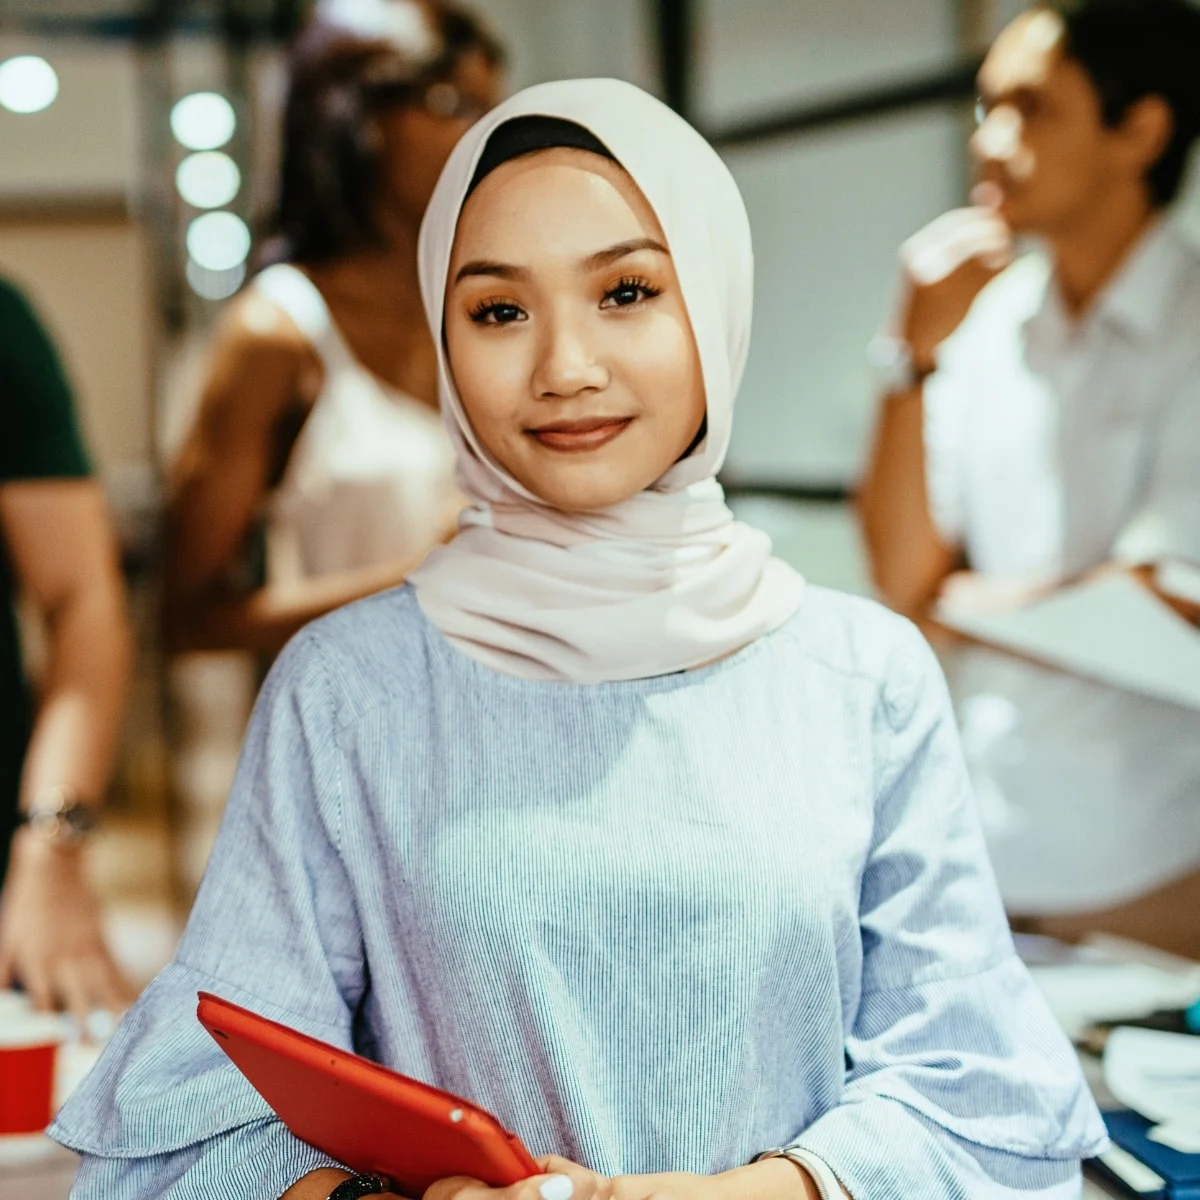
<point x="1052" y="446"/>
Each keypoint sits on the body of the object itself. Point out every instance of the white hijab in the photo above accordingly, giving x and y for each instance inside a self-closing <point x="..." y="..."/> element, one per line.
<point x="667" y="579"/>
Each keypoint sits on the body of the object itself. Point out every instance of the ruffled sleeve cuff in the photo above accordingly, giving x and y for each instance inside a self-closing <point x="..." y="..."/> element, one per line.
<point x="255" y="1162"/>
<point x="166" y="1115"/>
<point x="879" y="1147"/>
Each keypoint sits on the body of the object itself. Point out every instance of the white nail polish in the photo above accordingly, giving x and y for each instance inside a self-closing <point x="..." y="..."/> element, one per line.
<point x="557" y="1187"/>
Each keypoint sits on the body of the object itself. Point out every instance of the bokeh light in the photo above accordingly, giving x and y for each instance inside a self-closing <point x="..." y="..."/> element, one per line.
<point x="218" y="241"/>
<point x="28" y="84"/>
<point x="208" y="179"/>
<point x="203" y="121"/>
<point x="214" y="285"/>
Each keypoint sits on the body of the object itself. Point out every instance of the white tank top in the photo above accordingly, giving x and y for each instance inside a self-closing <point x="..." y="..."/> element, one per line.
<point x="370" y="478"/>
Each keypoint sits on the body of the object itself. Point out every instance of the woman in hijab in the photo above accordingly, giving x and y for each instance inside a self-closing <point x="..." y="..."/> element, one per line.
<point x="606" y="821"/>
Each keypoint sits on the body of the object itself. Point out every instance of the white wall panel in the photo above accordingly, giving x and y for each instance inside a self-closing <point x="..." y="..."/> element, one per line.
<point x="757" y="56"/>
<point x="828" y="213"/>
<point x="571" y="39"/>
<point x="86" y="142"/>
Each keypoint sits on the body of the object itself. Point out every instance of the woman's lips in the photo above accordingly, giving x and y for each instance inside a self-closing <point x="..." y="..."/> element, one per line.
<point x="576" y="436"/>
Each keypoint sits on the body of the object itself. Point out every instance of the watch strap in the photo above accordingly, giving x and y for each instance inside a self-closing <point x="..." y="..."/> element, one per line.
<point x="892" y="363"/>
<point x="358" y="1186"/>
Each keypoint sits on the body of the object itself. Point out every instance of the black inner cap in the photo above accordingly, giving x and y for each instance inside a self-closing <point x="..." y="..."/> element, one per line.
<point x="528" y="135"/>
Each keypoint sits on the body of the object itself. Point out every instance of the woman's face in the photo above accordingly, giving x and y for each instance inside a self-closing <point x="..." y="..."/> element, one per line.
<point x="566" y="330"/>
<point x="418" y="137"/>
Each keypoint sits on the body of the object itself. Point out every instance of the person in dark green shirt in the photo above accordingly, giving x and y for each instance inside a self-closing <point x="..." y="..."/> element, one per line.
<point x="58" y="551"/>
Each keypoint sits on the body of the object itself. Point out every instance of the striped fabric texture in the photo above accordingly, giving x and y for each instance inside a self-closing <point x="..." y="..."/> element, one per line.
<point x="661" y="925"/>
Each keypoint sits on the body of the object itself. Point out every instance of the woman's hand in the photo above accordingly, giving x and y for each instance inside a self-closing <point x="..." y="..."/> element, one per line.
<point x="562" y="1180"/>
<point x="774" y="1179"/>
<point x="50" y="938"/>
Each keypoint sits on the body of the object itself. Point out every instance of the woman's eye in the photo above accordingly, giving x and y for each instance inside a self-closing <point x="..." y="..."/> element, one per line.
<point x="496" y="313"/>
<point x="627" y="292"/>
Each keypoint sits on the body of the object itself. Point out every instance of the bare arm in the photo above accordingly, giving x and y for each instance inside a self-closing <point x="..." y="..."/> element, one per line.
<point x="943" y="269"/>
<point x="909" y="560"/>
<point x="63" y="551"/>
<point x="64" y="555"/>
<point x="1146" y="576"/>
<point x="260" y="367"/>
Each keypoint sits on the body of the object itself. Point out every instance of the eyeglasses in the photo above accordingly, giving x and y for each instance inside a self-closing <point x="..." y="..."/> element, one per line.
<point x="449" y="102"/>
<point x="440" y="99"/>
<point x="1028" y="104"/>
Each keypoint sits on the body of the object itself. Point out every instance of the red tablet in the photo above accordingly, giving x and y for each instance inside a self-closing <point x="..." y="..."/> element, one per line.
<point x="374" y="1120"/>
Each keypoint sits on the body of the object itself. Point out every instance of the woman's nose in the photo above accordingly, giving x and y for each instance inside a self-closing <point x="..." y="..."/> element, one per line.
<point x="567" y="363"/>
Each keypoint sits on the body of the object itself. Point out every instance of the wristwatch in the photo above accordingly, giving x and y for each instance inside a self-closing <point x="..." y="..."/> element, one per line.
<point x="892" y="363"/>
<point x="358" y="1186"/>
<point x="58" y="815"/>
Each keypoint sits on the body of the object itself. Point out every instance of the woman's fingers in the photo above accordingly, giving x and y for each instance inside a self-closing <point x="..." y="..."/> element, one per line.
<point x="459" y="1187"/>
<point x="110" y="990"/>
<point x="35" y="978"/>
<point x="72" y="988"/>
<point x="562" y="1180"/>
<point x="555" y="1186"/>
<point x="562" y="1173"/>
<point x="462" y="1187"/>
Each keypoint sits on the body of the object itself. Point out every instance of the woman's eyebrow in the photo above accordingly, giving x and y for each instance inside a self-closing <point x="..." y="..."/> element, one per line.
<point x="602" y="258"/>
<point x="605" y="258"/>
<point x="497" y="270"/>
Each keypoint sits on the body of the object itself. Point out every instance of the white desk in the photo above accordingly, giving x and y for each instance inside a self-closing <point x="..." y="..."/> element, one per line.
<point x="42" y="1173"/>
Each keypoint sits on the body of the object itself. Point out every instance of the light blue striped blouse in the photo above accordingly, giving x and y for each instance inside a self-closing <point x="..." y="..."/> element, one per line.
<point x="654" y="926"/>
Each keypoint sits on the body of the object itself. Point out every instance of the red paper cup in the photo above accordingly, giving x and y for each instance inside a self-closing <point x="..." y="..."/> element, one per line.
<point x="28" y="1053"/>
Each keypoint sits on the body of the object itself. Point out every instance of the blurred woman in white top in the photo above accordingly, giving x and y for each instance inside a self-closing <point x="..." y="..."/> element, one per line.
<point x="317" y="436"/>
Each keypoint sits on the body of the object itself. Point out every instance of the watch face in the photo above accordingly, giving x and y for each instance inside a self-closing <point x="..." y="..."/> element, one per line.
<point x="891" y="363"/>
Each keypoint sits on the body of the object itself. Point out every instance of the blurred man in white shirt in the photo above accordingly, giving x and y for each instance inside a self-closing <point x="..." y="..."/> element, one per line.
<point x="1041" y="423"/>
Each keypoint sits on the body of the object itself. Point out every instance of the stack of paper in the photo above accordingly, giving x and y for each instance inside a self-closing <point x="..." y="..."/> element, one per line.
<point x="1158" y="1075"/>
<point x="1112" y="630"/>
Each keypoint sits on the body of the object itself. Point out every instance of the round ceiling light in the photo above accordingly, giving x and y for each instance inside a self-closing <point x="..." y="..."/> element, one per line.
<point x="203" y="121"/>
<point x="218" y="241"/>
<point x="214" y="285"/>
<point x="209" y="179"/>
<point x="28" y="84"/>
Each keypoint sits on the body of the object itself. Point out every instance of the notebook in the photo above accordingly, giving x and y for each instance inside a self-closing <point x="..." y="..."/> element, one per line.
<point x="1111" y="629"/>
<point x="1142" y="1168"/>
